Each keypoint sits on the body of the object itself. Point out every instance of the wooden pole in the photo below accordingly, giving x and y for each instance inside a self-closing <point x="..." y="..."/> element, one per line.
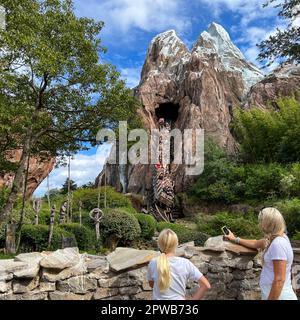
<point x="48" y="192"/>
<point x="80" y="214"/>
<point x="36" y="208"/>
<point x="69" y="188"/>
<point x="51" y="226"/>
<point x="105" y="186"/>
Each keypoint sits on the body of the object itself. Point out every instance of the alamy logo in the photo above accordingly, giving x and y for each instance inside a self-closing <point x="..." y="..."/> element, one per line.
<point x="2" y="18"/>
<point x="163" y="146"/>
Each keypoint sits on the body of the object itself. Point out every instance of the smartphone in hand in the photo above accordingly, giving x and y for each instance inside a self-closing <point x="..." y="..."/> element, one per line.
<point x="225" y="230"/>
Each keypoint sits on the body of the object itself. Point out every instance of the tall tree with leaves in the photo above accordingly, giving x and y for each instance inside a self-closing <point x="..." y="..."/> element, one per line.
<point x="65" y="186"/>
<point x="284" y="44"/>
<point x="55" y="92"/>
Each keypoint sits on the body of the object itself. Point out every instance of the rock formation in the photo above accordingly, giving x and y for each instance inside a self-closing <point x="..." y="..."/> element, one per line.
<point x="197" y="89"/>
<point x="283" y="81"/>
<point x="39" y="168"/>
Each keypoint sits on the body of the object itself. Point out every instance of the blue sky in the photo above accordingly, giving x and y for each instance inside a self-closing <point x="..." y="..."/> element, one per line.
<point x="131" y="24"/>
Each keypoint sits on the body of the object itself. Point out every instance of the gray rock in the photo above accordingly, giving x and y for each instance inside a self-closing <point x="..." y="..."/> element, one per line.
<point x="57" y="295"/>
<point x="218" y="244"/>
<point x="47" y="286"/>
<point x="4" y="286"/>
<point x="53" y="275"/>
<point x="186" y="250"/>
<point x="32" y="295"/>
<point x="8" y="267"/>
<point x="104" y="293"/>
<point x="125" y="258"/>
<point x="25" y="285"/>
<point x="80" y="284"/>
<point x="33" y="264"/>
<point x="61" y="259"/>
<point x="129" y="290"/>
<point x="215" y="244"/>
<point x="123" y="280"/>
<point x="144" y="295"/>
<point x="99" y="263"/>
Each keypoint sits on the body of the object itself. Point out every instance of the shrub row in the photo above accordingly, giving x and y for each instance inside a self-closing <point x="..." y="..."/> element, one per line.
<point x="243" y="225"/>
<point x="184" y="234"/>
<point x="224" y="180"/>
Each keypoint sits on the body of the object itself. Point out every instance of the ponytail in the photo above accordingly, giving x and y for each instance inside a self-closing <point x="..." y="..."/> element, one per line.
<point x="164" y="272"/>
<point x="167" y="242"/>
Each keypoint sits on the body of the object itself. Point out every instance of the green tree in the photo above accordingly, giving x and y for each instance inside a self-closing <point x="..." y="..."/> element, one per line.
<point x="284" y="44"/>
<point x="65" y="187"/>
<point x="269" y="135"/>
<point x="55" y="93"/>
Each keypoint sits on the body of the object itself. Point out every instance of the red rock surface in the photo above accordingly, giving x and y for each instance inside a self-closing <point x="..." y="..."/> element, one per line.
<point x="39" y="168"/>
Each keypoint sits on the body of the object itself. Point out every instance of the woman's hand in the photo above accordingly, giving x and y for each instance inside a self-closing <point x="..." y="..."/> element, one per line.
<point x="230" y="236"/>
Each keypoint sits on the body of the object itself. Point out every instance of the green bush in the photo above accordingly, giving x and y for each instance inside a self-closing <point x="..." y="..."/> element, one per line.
<point x="226" y="181"/>
<point x="3" y="196"/>
<point x="217" y="183"/>
<point x="119" y="226"/>
<point x="85" y="219"/>
<point x="241" y="225"/>
<point x="263" y="180"/>
<point x="147" y="224"/>
<point x="291" y="212"/>
<point x="129" y="210"/>
<point x="269" y="135"/>
<point x="85" y="238"/>
<point x="89" y="198"/>
<point x="198" y="237"/>
<point x="295" y="172"/>
<point x="184" y="234"/>
<point x="296" y="236"/>
<point x="35" y="238"/>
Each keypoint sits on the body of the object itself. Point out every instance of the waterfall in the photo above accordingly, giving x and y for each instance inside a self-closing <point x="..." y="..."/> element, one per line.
<point x="123" y="177"/>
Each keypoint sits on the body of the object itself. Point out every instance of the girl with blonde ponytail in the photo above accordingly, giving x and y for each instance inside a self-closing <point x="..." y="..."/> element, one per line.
<point x="168" y="274"/>
<point x="275" y="279"/>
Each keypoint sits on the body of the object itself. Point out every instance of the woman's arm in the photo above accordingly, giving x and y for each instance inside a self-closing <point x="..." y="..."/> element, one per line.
<point x="252" y="244"/>
<point x="279" y="279"/>
<point x="204" y="285"/>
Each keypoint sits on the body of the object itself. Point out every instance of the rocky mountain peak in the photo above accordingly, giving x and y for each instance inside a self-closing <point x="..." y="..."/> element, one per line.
<point x="165" y="53"/>
<point x="217" y="41"/>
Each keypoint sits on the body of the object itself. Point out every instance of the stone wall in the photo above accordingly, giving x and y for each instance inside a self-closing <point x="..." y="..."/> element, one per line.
<point x="68" y="275"/>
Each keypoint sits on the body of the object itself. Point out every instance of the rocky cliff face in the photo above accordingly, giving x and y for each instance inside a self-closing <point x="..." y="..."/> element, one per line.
<point x="197" y="89"/>
<point x="39" y="168"/>
<point x="284" y="81"/>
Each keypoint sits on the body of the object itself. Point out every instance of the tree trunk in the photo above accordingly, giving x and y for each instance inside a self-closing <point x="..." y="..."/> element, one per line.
<point x="10" y="241"/>
<point x="51" y="226"/>
<point x="22" y="214"/>
<point x="17" y="183"/>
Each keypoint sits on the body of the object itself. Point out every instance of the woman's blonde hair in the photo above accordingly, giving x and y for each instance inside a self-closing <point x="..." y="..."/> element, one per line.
<point x="167" y="243"/>
<point x="272" y="224"/>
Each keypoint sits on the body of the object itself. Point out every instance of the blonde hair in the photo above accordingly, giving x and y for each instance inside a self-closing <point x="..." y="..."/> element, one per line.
<point x="167" y="243"/>
<point x="272" y="224"/>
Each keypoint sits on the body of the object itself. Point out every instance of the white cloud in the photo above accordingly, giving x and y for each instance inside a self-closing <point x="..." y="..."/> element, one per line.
<point x="131" y="76"/>
<point x="146" y="15"/>
<point x="84" y="168"/>
<point x="249" y="10"/>
<point x="296" y="19"/>
<point x="251" y="37"/>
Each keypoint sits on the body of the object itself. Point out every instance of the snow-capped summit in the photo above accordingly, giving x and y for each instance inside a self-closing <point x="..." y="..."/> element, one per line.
<point x="217" y="41"/>
<point x="165" y="53"/>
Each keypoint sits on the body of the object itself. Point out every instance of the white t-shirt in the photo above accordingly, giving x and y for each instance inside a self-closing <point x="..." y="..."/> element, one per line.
<point x="182" y="270"/>
<point x="280" y="249"/>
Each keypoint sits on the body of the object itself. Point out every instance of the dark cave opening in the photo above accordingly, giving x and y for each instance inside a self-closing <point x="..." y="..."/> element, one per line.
<point x="168" y="111"/>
